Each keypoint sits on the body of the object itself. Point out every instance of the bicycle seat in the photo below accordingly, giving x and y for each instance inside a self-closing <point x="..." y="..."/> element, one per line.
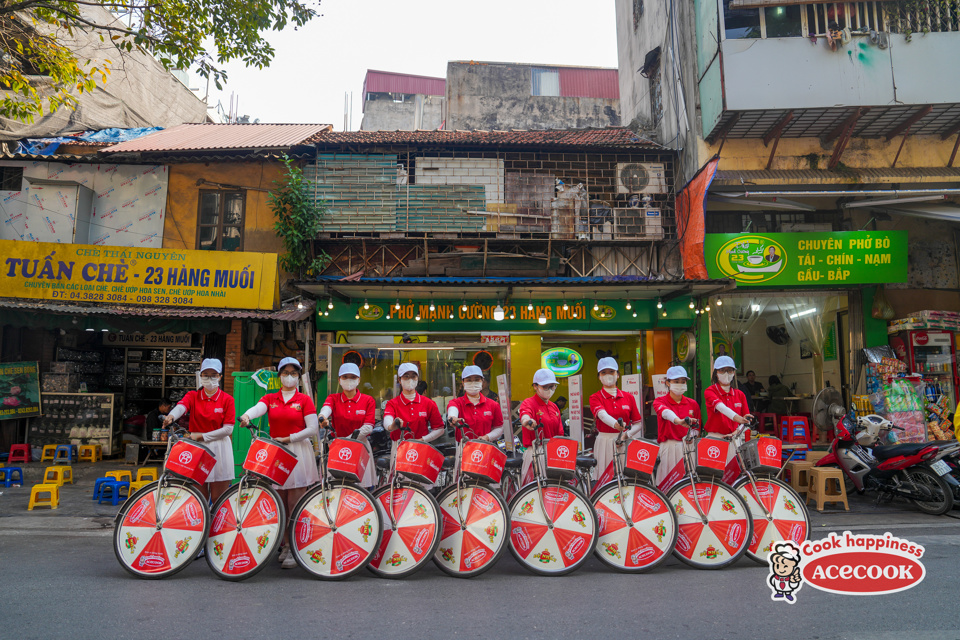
<point x="584" y="461"/>
<point x="446" y="449"/>
<point x="383" y="463"/>
<point x="513" y="463"/>
<point x="894" y="450"/>
<point x="448" y="462"/>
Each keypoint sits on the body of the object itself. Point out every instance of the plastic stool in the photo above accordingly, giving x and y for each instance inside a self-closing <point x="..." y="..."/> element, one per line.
<point x="64" y="453"/>
<point x="120" y="475"/>
<point x="19" y="453"/>
<point x="49" y="452"/>
<point x="59" y="475"/>
<point x="87" y="453"/>
<point x="795" y="430"/>
<point x="7" y="473"/>
<point x="762" y="422"/>
<point x="53" y="501"/>
<point x="814" y="456"/>
<point x="139" y="484"/>
<point x="97" y="484"/>
<point x="818" y="491"/>
<point x="99" y="451"/>
<point x="110" y="490"/>
<point x="799" y="475"/>
<point x="147" y="473"/>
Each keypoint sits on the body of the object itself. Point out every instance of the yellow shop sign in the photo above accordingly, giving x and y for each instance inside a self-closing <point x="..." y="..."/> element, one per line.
<point x="128" y="275"/>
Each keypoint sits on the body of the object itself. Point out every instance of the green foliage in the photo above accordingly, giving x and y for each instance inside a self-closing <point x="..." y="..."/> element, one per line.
<point x="36" y="38"/>
<point x="298" y="221"/>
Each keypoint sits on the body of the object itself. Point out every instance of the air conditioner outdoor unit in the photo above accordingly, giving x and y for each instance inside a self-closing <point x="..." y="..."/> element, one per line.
<point x="641" y="177"/>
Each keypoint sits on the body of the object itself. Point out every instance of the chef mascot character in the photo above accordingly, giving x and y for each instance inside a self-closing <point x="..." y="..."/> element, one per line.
<point x="785" y="572"/>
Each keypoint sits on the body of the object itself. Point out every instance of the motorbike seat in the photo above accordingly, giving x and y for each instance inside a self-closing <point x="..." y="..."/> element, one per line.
<point x="383" y="463"/>
<point x="584" y="461"/>
<point x="892" y="451"/>
<point x="514" y="463"/>
<point x="448" y="462"/>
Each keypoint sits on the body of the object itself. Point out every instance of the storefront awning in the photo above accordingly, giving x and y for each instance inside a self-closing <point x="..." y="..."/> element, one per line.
<point x="945" y="212"/>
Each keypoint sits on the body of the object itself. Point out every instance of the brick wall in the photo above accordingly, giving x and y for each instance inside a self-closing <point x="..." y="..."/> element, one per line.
<point x="234" y="354"/>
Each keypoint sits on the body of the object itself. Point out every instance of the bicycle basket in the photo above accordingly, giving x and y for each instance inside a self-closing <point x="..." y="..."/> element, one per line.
<point x="641" y="455"/>
<point x="711" y="456"/>
<point x="561" y="457"/>
<point x="347" y="459"/>
<point x="762" y="455"/>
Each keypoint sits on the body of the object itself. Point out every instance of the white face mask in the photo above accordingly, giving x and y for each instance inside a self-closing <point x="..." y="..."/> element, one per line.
<point x="545" y="393"/>
<point x="472" y="388"/>
<point x="210" y="383"/>
<point x="725" y="378"/>
<point x="678" y="388"/>
<point x="349" y="384"/>
<point x="289" y="381"/>
<point x="609" y="380"/>
<point x="409" y="384"/>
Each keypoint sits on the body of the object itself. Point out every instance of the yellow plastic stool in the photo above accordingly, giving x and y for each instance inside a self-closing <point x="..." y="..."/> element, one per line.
<point x="820" y="477"/>
<point x="120" y="475"/>
<point x="147" y="473"/>
<point x="59" y="475"/>
<point x="87" y="453"/>
<point x="800" y="475"/>
<point x="49" y="450"/>
<point x="139" y="484"/>
<point x="51" y="489"/>
<point x="99" y="451"/>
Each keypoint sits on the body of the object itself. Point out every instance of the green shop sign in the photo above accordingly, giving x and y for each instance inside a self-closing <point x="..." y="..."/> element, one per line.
<point x="807" y="259"/>
<point x="519" y="314"/>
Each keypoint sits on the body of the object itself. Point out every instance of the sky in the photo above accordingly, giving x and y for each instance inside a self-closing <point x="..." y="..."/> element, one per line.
<point x="315" y="65"/>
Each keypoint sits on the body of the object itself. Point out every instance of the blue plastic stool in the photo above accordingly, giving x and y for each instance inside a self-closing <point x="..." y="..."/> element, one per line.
<point x="6" y="476"/>
<point x="64" y="454"/>
<point x="114" y="487"/>
<point x="98" y="485"/>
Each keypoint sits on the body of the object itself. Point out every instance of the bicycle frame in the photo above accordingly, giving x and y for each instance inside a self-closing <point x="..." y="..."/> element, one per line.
<point x="690" y="463"/>
<point x="737" y="441"/>
<point x="539" y="471"/>
<point x="618" y="472"/>
<point x="458" y="476"/>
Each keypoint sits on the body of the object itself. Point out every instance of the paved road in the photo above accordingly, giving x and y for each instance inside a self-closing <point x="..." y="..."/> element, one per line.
<point x="58" y="585"/>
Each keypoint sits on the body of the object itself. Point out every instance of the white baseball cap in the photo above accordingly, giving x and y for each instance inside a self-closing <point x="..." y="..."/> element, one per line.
<point x="608" y="363"/>
<point x="406" y="367"/>
<point x="287" y="361"/>
<point x="211" y="363"/>
<point x="472" y="370"/>
<point x="348" y="368"/>
<point x="676" y="372"/>
<point x="723" y="362"/>
<point x="544" y="376"/>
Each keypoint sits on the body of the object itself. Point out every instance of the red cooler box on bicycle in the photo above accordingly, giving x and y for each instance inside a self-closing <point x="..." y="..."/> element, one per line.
<point x="561" y="457"/>
<point x="270" y="459"/>
<point x="190" y="460"/>
<point x="347" y="459"/>
<point x="641" y="457"/>
<point x="419" y="461"/>
<point x="712" y="456"/>
<point x="483" y="460"/>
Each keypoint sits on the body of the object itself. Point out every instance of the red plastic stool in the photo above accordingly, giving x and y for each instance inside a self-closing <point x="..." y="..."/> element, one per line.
<point x="19" y="453"/>
<point x="762" y="422"/>
<point x="795" y="430"/>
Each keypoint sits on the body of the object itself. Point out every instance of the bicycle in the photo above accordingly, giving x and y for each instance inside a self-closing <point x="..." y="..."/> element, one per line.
<point x="411" y="511"/>
<point x="778" y="512"/>
<point x="250" y="518"/>
<point x="638" y="527"/>
<point x="713" y="521"/>
<point x="475" y="517"/>
<point x="161" y="528"/>
<point x="553" y="527"/>
<point x="337" y="528"/>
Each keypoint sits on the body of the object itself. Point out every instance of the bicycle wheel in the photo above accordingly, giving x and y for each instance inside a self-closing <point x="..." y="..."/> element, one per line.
<point x="469" y="550"/>
<point x="788" y="519"/>
<point x="160" y="529"/>
<point x="648" y="542"/>
<point x="247" y="527"/>
<point x="406" y="547"/>
<point x="564" y="547"/>
<point x="509" y="485"/>
<point x="335" y="550"/>
<point x="723" y="539"/>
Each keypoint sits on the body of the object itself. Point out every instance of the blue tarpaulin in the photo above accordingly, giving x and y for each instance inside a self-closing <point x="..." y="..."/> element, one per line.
<point x="49" y="146"/>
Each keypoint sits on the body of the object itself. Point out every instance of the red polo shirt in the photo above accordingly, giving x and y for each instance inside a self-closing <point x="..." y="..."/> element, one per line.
<point x="287" y="418"/>
<point x="623" y="405"/>
<point x="349" y="414"/>
<point x="482" y="418"/>
<point x="686" y="408"/>
<point x="546" y="413"/>
<point x="209" y="413"/>
<point x="420" y="414"/>
<point x="734" y="400"/>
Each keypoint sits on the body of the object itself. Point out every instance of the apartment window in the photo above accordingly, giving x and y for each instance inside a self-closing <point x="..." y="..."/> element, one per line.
<point x="783" y="22"/>
<point x="220" y="223"/>
<point x="740" y="23"/>
<point x="11" y="178"/>
<point x="546" y="82"/>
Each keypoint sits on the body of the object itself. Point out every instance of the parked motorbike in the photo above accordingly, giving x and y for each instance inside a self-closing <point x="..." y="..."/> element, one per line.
<point x="913" y="471"/>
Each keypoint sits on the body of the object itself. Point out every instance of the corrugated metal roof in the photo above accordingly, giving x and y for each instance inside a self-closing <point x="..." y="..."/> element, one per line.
<point x="390" y="82"/>
<point x="737" y="178"/>
<point x="619" y="137"/>
<point x="290" y="314"/>
<point x="201" y="137"/>
<point x="577" y="82"/>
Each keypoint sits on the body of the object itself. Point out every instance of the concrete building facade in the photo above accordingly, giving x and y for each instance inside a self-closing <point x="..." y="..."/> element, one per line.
<point x="401" y="102"/>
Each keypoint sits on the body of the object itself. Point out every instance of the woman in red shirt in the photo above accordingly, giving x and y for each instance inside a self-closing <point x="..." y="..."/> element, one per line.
<point x="481" y="414"/>
<point x="726" y="407"/>
<point x="352" y="411"/>
<point x="676" y="413"/>
<point x="419" y="413"/>
<point x="293" y="421"/>
<point x="537" y="409"/>
<point x="212" y="416"/>
<point x="608" y="405"/>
